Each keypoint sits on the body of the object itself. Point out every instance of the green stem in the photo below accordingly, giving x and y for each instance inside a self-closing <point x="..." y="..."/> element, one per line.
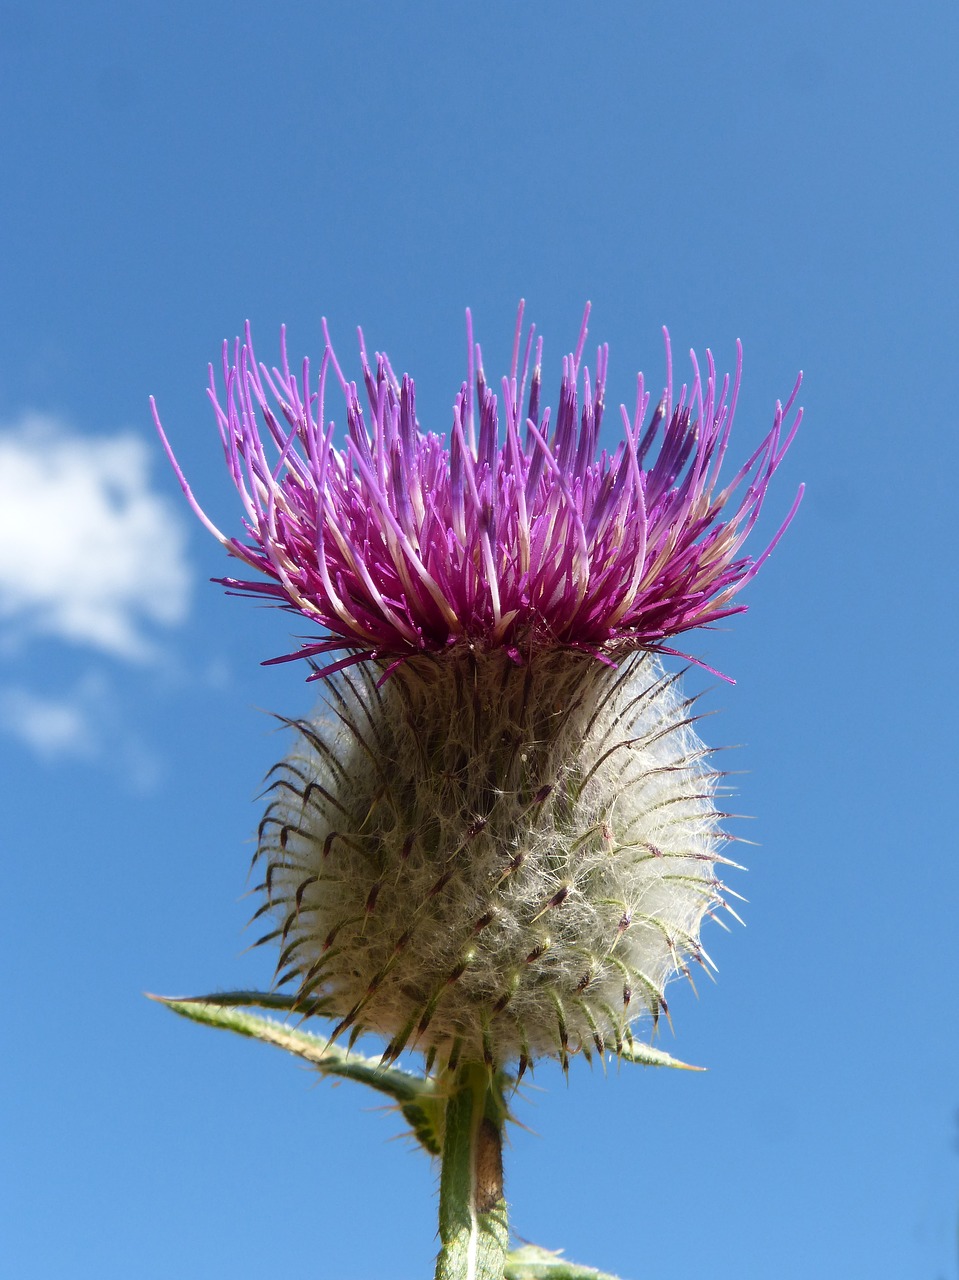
<point x="474" y="1231"/>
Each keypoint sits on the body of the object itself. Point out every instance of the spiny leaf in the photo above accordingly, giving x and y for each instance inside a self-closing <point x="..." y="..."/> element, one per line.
<point x="416" y="1096"/>
<point x="533" y="1263"/>
<point x="251" y="1000"/>
<point x="647" y="1056"/>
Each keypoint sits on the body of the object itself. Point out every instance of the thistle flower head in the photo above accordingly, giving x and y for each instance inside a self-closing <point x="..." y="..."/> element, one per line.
<point x="402" y="541"/>
<point x="498" y="837"/>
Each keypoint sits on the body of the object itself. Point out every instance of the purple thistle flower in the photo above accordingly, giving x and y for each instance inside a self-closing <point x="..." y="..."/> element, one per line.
<point x="506" y="850"/>
<point x="403" y="542"/>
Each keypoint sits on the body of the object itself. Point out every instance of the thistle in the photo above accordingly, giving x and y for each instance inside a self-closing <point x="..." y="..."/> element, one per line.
<point x="498" y="837"/>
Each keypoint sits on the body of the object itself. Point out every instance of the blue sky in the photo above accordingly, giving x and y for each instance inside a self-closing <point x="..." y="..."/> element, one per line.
<point x="785" y="174"/>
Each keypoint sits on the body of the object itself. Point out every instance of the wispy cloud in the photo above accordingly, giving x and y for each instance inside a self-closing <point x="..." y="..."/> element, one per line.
<point x="84" y="723"/>
<point x="51" y="727"/>
<point x="89" y="553"/>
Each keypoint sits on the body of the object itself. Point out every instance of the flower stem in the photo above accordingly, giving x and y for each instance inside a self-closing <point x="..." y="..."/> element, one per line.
<point x="474" y="1230"/>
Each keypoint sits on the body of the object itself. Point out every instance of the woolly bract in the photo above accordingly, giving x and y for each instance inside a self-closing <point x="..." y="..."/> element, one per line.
<point x="485" y="860"/>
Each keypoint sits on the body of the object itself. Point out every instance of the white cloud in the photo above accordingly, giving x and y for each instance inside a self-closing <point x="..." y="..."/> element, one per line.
<point x="86" y="723"/>
<point x="52" y="728"/>
<point x="88" y="553"/>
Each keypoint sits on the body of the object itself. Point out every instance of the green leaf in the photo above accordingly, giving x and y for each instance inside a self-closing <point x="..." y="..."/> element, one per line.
<point x="415" y="1095"/>
<point x="253" y="1000"/>
<point x="647" y="1056"/>
<point x="534" y="1263"/>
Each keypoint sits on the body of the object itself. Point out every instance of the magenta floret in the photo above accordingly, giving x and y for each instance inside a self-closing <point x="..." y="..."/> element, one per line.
<point x="399" y="542"/>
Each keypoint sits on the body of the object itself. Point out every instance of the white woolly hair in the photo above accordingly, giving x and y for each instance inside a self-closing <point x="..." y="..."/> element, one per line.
<point x="490" y="860"/>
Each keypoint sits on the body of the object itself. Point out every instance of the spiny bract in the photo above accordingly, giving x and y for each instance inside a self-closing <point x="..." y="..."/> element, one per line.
<point x="492" y="861"/>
